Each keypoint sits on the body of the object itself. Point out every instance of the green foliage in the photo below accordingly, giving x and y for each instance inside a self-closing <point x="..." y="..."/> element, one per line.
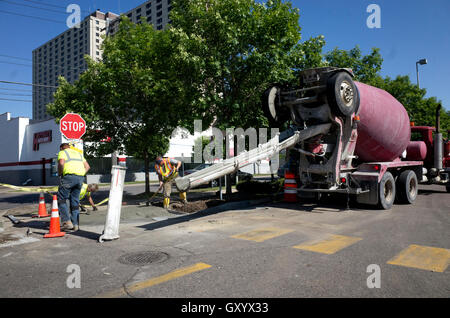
<point x="310" y="55"/>
<point x="134" y="95"/>
<point x="366" y="68"/>
<point x="422" y="111"/>
<point x="235" y="49"/>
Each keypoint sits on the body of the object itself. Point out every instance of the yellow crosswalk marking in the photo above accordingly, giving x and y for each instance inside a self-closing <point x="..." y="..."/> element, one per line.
<point x="423" y="257"/>
<point x="262" y="235"/>
<point x="329" y="245"/>
<point x="155" y="281"/>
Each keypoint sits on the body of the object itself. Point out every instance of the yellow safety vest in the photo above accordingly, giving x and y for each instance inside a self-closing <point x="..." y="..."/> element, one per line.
<point x="167" y="170"/>
<point x="74" y="162"/>
<point x="83" y="192"/>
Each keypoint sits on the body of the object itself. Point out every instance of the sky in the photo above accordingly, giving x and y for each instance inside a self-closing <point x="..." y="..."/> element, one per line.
<point x="410" y="30"/>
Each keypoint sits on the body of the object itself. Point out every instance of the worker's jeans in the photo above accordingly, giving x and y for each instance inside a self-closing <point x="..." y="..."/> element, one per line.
<point x="69" y="189"/>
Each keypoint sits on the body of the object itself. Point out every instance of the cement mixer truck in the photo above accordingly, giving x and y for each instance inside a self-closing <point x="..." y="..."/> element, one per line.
<point x="346" y="137"/>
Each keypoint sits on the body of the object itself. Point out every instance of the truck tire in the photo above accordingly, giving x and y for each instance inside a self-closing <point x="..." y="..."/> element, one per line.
<point x="386" y="191"/>
<point x="271" y="103"/>
<point x="407" y="187"/>
<point x="342" y="94"/>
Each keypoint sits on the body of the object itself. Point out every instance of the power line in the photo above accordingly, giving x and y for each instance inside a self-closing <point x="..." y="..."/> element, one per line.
<point x="44" y="19"/>
<point x="30" y="6"/>
<point x="49" y="5"/>
<point x="15" y="57"/>
<point x="16" y="94"/>
<point x="16" y="100"/>
<point x="28" y="84"/>
<point x="15" y="90"/>
<point x="45" y="4"/>
<point x="45" y="65"/>
<point x="30" y="16"/>
<point x="13" y="63"/>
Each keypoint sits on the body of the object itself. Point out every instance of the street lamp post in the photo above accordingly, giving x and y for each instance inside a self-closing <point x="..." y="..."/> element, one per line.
<point x="421" y="62"/>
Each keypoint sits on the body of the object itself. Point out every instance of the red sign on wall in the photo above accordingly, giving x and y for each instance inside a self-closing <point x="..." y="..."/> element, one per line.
<point x="41" y="138"/>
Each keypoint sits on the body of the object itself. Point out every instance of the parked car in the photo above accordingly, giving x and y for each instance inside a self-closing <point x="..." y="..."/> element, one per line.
<point x="215" y="183"/>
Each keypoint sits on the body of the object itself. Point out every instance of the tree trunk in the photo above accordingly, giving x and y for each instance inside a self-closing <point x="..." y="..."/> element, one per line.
<point x="147" y="174"/>
<point x="229" y="190"/>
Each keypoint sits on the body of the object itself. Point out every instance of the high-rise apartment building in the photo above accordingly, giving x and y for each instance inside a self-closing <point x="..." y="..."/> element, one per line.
<point x="154" y="12"/>
<point x="64" y="54"/>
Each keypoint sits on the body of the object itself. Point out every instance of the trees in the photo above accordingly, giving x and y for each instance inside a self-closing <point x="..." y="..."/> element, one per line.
<point x="135" y="95"/>
<point x="367" y="69"/>
<point x="240" y="47"/>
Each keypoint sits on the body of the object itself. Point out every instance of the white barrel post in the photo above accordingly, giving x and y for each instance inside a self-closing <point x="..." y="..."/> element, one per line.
<point x="111" y="231"/>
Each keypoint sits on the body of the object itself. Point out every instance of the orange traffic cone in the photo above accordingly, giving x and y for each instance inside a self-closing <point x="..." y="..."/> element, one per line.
<point x="290" y="187"/>
<point x="55" y="230"/>
<point x="42" y="212"/>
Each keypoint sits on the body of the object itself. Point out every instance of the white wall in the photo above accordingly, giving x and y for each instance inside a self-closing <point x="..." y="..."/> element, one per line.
<point x="11" y="137"/>
<point x="182" y="143"/>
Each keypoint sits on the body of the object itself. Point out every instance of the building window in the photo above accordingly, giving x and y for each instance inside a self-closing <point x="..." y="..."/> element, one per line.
<point x="148" y="12"/>
<point x="159" y="7"/>
<point x="159" y="14"/>
<point x="159" y="27"/>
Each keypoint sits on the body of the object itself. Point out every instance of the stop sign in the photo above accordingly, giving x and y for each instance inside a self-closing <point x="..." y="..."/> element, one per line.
<point x="72" y="126"/>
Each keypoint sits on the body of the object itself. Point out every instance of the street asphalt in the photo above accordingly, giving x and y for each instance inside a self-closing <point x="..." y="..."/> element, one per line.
<point x="253" y="249"/>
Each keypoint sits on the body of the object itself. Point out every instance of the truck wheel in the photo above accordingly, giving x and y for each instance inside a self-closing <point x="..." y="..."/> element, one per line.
<point x="342" y="94"/>
<point x="386" y="191"/>
<point x="272" y="107"/>
<point x="407" y="187"/>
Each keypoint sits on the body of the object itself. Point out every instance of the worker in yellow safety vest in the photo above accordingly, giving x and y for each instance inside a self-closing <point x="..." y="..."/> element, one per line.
<point x="86" y="191"/>
<point x="72" y="168"/>
<point x="167" y="171"/>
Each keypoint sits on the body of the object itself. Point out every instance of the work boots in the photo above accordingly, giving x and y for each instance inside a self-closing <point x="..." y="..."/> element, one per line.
<point x="67" y="226"/>
<point x="166" y="203"/>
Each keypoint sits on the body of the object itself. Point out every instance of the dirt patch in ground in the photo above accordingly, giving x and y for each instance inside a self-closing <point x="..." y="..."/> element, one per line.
<point x="195" y="206"/>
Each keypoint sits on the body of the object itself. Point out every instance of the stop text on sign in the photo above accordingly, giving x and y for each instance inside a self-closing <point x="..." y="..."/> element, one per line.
<point x="72" y="126"/>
